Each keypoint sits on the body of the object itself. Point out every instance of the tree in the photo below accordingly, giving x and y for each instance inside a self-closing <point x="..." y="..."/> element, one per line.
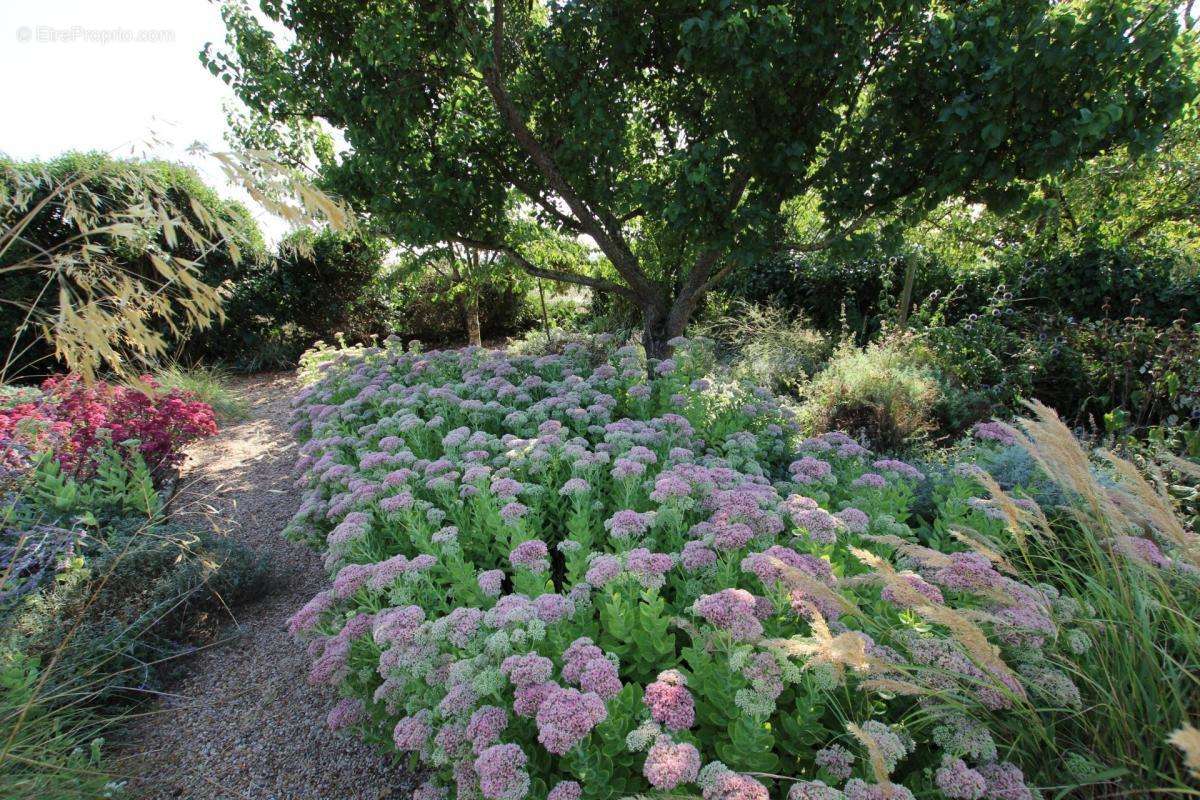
<point x="672" y="133"/>
<point x="1149" y="205"/>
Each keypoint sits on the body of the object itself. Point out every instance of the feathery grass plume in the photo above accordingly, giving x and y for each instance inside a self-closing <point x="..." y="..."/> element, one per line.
<point x="1014" y="516"/>
<point x="1187" y="740"/>
<point x="896" y="686"/>
<point x="845" y="651"/>
<point x="874" y="754"/>
<point x="923" y="555"/>
<point x="962" y="629"/>
<point x="1133" y="504"/>
<point x="1055" y="449"/>
<point x="1142" y="502"/>
<point x="1183" y="465"/>
<point x="801" y="581"/>
<point x="974" y="540"/>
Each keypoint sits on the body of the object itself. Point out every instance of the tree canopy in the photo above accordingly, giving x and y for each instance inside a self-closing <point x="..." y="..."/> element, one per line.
<point x="672" y="133"/>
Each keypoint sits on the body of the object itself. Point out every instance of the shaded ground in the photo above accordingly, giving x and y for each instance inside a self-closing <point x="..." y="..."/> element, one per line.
<point x="243" y="722"/>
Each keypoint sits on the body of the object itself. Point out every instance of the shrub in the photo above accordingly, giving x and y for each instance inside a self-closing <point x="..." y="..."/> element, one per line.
<point x="425" y="309"/>
<point x="881" y="392"/>
<point x="316" y="284"/>
<point x="554" y="580"/>
<point x="206" y="383"/>
<point x="858" y="293"/>
<point x="762" y="345"/>
<point x="1087" y="282"/>
<point x="1127" y="370"/>
<point x="97" y="598"/>
<point x="113" y="621"/>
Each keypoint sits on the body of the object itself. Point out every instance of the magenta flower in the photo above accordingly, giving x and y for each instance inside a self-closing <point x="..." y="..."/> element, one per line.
<point x="577" y="656"/>
<point x="600" y="676"/>
<point x="513" y="512"/>
<point x="412" y="733"/>
<point x="491" y="581"/>
<point x="856" y="521"/>
<point x="603" y="569"/>
<point x="696" y="556"/>
<point x="347" y="712"/>
<point x="732" y="610"/>
<point x="527" y="669"/>
<point x="533" y="555"/>
<point x="725" y="784"/>
<point x="307" y="617"/>
<point x="1005" y="781"/>
<point x="994" y="432"/>
<point x="836" y="760"/>
<point x="565" y="790"/>
<point x="628" y="523"/>
<point x="809" y="470"/>
<point x="870" y="480"/>
<point x="958" y="781"/>
<point x="485" y="727"/>
<point x="528" y="698"/>
<point x="551" y="608"/>
<point x="900" y="468"/>
<point x="813" y="790"/>
<point x="501" y="771"/>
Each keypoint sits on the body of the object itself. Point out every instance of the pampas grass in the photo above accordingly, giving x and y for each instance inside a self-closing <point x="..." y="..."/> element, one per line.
<point x="1140" y="678"/>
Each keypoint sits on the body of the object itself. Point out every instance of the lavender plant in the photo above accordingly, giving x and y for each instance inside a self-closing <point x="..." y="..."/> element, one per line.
<point x="553" y="580"/>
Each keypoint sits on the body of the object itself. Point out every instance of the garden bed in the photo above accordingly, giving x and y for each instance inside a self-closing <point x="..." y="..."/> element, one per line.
<point x="554" y="578"/>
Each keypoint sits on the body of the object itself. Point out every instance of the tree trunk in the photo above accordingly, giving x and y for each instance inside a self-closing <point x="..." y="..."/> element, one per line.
<point x="471" y="311"/>
<point x="660" y="326"/>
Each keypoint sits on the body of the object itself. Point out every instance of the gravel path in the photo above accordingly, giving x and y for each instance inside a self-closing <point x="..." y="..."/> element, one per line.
<point x="243" y="722"/>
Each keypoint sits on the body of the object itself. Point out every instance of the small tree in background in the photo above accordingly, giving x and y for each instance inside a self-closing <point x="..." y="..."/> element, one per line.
<point x="671" y="133"/>
<point x="463" y="272"/>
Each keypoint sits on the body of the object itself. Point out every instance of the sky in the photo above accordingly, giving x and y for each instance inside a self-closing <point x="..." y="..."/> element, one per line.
<point x="110" y="75"/>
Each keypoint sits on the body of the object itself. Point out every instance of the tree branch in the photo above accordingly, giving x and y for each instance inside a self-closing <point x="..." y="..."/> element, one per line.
<point x="608" y="240"/>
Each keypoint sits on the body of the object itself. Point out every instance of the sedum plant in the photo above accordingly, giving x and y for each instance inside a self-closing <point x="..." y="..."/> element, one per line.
<point x="559" y="580"/>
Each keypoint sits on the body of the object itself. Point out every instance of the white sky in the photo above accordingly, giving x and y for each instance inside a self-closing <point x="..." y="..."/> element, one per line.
<point x="67" y="89"/>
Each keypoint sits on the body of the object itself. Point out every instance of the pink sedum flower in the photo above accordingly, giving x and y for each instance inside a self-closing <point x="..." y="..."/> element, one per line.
<point x="565" y="790"/>
<point x="501" y="771"/>
<point x="732" y="610"/>
<point x="566" y="717"/>
<point x="669" y="765"/>
<point x="670" y="702"/>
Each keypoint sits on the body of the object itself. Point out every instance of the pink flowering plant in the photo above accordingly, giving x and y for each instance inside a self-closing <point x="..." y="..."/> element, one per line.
<point x="552" y="579"/>
<point x="80" y="423"/>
